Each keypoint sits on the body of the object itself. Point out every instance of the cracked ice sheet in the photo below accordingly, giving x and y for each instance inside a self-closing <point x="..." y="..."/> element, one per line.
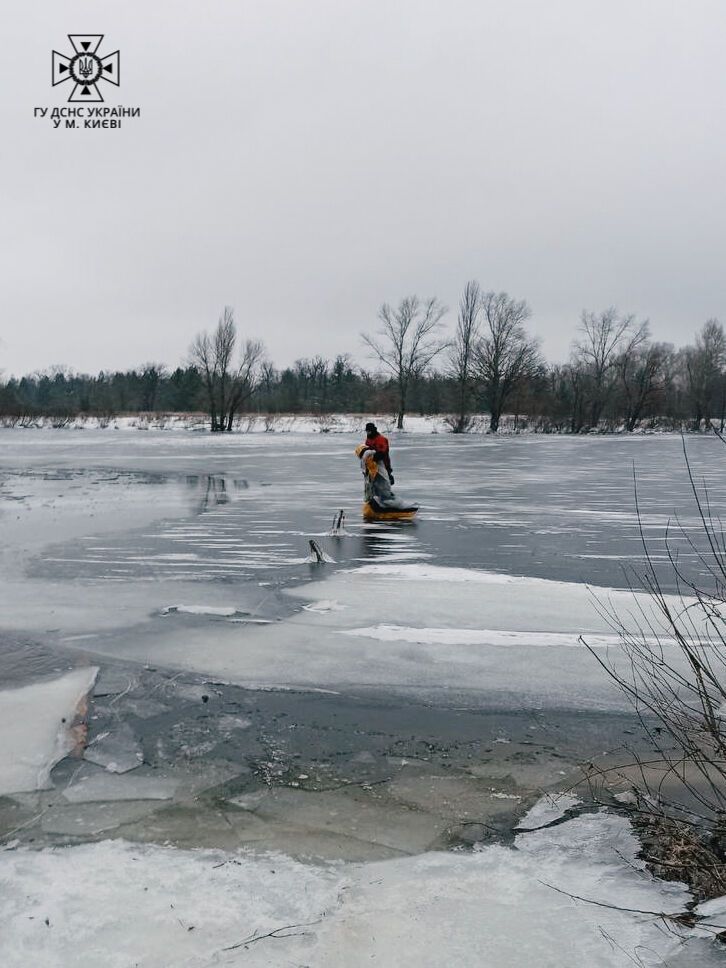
<point x="550" y="807"/>
<point x="308" y="650"/>
<point x="109" y="786"/>
<point x="34" y="726"/>
<point x="118" y="904"/>
<point x="118" y="751"/>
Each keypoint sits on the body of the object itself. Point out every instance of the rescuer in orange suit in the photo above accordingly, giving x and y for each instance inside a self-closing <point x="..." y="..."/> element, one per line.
<point x="379" y="444"/>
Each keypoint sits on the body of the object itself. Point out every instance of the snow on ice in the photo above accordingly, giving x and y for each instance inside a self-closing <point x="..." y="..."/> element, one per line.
<point x="452" y="636"/>
<point x="119" y="904"/>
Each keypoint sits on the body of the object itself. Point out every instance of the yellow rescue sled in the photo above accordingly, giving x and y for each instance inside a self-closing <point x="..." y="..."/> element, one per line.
<point x="372" y="511"/>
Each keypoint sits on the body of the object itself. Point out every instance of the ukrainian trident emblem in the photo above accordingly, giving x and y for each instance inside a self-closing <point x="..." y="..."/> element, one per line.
<point x="85" y="67"/>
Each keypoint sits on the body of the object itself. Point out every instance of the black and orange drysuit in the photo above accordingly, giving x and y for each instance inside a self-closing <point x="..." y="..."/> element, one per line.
<point x="379" y="444"/>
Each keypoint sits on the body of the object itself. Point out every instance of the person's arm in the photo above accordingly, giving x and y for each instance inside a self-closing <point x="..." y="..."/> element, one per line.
<point x="385" y="455"/>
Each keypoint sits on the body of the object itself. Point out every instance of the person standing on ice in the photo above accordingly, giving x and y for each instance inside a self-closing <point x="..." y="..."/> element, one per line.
<point x="380" y="503"/>
<point x="380" y="446"/>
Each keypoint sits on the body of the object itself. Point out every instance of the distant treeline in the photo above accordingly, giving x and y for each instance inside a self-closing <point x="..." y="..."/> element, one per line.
<point x="617" y="377"/>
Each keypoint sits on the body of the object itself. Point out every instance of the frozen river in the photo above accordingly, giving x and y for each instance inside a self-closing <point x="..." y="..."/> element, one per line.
<point x="553" y="507"/>
<point x="183" y="549"/>
<point x="418" y="691"/>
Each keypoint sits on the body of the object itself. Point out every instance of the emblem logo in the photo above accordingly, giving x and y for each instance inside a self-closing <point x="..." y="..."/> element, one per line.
<point x="85" y="67"/>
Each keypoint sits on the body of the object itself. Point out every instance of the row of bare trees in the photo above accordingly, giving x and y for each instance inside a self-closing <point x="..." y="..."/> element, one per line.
<point x="617" y="377"/>
<point x="618" y="373"/>
<point x="615" y="373"/>
<point x="490" y="355"/>
<point x="492" y="358"/>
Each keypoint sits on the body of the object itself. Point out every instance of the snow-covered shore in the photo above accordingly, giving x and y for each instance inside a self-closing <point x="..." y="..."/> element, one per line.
<point x="121" y="904"/>
<point x="284" y="423"/>
<point x="247" y="423"/>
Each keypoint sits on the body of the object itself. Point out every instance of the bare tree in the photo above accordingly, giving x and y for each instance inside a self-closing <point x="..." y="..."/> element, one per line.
<point x="407" y="342"/>
<point x="671" y="666"/>
<point x="603" y="337"/>
<point x="704" y="370"/>
<point x="505" y="355"/>
<point x="462" y="353"/>
<point x="228" y="385"/>
<point x="642" y="371"/>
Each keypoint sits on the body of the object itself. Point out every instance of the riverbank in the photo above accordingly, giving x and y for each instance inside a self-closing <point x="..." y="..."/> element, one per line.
<point x="332" y="423"/>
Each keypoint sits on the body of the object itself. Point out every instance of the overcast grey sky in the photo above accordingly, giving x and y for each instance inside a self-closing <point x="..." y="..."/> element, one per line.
<point x="304" y="161"/>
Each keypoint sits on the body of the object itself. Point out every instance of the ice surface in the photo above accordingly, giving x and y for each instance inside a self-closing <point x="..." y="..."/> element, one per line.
<point x="118" y="751"/>
<point x="324" y="605"/>
<point x="221" y="611"/>
<point x="35" y="725"/>
<point x="348" y="814"/>
<point x="439" y="634"/>
<point x="550" y="807"/>
<point x="113" y="681"/>
<point x="713" y="917"/>
<point x="453" y="636"/>
<point x="437" y="573"/>
<point x="107" y="786"/>
<point x="92" y="819"/>
<point x="116" y="904"/>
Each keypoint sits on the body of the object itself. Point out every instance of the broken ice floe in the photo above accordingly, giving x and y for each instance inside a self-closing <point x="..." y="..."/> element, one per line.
<point x="234" y="615"/>
<point x="112" y="681"/>
<point x="219" y="611"/>
<point x="35" y="724"/>
<point x="118" y="751"/>
<point x="548" y="809"/>
<point x="107" y="786"/>
<point x="324" y="605"/>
